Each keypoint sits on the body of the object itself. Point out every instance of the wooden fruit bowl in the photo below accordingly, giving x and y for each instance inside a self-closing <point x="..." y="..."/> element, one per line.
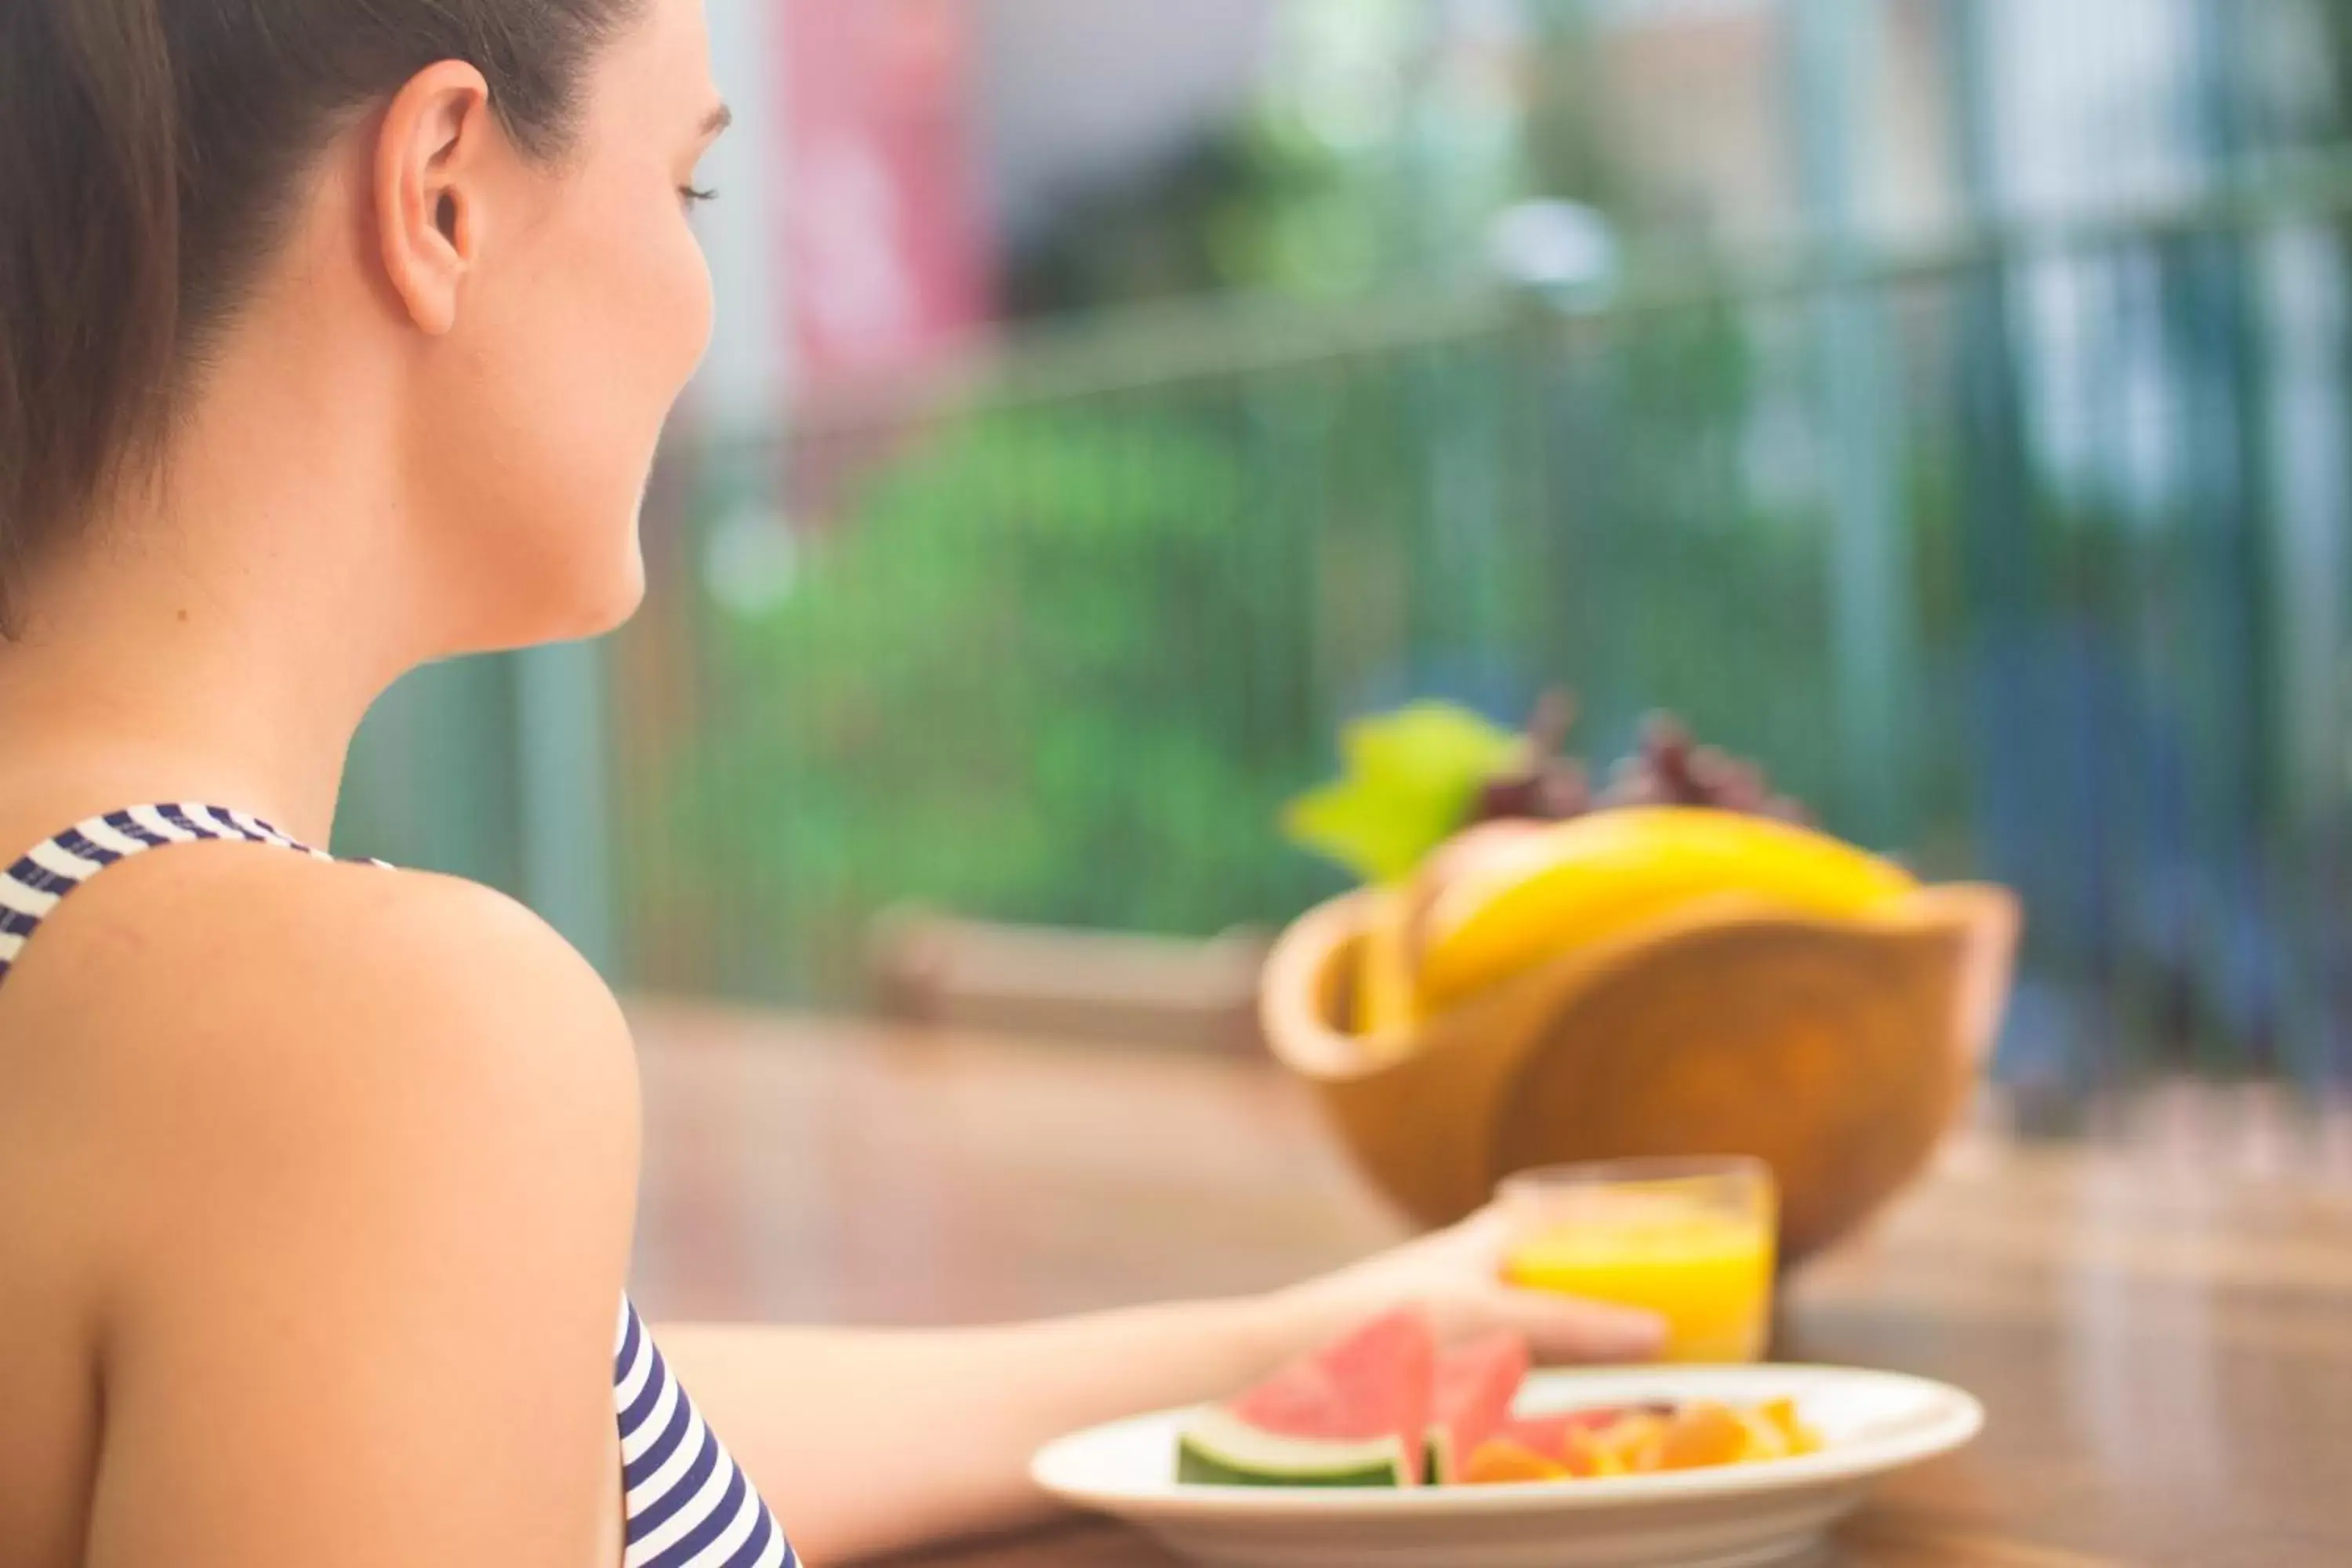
<point x="1838" y="1051"/>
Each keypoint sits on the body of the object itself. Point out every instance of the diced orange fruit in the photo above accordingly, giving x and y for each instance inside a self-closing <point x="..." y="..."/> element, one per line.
<point x="1631" y="1445"/>
<point x="1643" y="1441"/>
<point x="1801" y="1439"/>
<point x="1701" y="1435"/>
<point x="1588" y="1456"/>
<point x="1501" y="1461"/>
<point x="1763" y="1436"/>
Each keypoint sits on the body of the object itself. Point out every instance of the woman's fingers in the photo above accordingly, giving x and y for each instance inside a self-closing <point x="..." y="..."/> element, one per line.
<point x="1456" y="1277"/>
<point x="1566" y="1328"/>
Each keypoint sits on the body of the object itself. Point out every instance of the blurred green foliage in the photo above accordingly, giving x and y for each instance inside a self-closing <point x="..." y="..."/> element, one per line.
<point x="1019" y="676"/>
<point x="1065" y="660"/>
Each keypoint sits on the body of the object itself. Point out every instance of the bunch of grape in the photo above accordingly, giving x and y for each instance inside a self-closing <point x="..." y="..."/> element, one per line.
<point x="1673" y="769"/>
<point x="1669" y="769"/>
<point x="1546" y="785"/>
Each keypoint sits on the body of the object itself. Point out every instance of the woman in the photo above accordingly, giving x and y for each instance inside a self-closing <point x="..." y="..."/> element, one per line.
<point x="335" y="337"/>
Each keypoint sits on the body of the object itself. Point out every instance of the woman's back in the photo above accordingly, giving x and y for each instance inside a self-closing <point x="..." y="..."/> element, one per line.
<point x="373" y="1200"/>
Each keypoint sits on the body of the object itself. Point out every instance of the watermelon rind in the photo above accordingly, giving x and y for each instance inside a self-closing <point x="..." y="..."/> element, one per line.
<point x="1218" y="1449"/>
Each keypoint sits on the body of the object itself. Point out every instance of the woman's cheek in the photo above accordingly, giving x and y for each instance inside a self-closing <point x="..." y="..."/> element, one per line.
<point x="698" y="311"/>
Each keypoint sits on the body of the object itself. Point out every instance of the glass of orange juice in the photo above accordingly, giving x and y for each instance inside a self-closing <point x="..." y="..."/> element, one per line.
<point x="1691" y="1240"/>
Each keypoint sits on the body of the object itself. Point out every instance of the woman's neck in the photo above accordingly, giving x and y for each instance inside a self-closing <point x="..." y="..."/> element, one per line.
<point x="109" y="720"/>
<point x="221" y="638"/>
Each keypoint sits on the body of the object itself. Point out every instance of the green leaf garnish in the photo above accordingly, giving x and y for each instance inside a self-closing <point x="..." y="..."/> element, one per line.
<point x="1409" y="779"/>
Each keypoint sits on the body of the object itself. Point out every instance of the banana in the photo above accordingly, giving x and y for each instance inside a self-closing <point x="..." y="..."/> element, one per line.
<point x="1559" y="887"/>
<point x="1384" y="1003"/>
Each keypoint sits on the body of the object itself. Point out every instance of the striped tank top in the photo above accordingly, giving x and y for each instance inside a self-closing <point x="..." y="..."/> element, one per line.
<point x="688" y="1504"/>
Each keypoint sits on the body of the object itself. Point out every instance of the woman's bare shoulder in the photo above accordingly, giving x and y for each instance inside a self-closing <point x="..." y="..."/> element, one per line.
<point x="268" y="946"/>
<point x="341" y="1160"/>
<point x="199" y="1009"/>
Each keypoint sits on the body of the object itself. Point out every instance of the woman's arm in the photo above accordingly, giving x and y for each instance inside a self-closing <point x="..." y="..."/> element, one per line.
<point x="869" y="1442"/>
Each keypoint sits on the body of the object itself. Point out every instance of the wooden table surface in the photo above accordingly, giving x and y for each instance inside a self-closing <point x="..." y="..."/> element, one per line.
<point x="2160" y="1324"/>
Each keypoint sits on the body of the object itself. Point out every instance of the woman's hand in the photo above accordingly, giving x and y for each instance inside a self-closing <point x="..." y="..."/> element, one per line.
<point x="1455" y="1276"/>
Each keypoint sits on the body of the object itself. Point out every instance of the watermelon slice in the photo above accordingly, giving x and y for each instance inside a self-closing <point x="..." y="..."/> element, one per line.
<point x="1476" y="1385"/>
<point x="1355" y="1414"/>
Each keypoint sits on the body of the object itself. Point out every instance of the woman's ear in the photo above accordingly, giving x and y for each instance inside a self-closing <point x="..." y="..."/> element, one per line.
<point x="433" y="151"/>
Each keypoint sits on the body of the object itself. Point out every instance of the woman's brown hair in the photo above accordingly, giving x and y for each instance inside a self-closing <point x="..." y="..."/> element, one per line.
<point x="148" y="150"/>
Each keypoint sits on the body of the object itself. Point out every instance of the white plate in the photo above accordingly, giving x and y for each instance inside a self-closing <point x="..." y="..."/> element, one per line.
<point x="1871" y="1423"/>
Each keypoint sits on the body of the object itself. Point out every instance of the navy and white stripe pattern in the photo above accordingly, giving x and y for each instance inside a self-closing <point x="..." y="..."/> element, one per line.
<point x="31" y="887"/>
<point x="689" y="1505"/>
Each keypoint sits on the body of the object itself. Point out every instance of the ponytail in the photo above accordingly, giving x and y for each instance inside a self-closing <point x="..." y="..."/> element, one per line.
<point x="90" y="274"/>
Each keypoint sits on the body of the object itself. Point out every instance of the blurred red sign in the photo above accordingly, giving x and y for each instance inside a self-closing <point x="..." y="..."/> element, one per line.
<point x="884" y="242"/>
